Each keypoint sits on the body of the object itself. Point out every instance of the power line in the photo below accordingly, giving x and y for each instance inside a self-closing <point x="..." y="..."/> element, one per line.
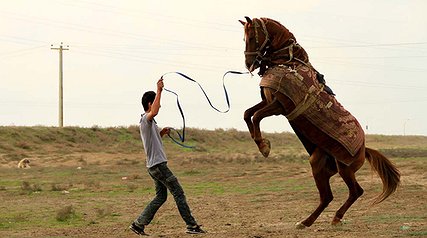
<point x="171" y="19"/>
<point x="377" y="85"/>
<point x="373" y="45"/>
<point x="137" y="58"/>
<point x="19" y="52"/>
<point x="92" y="30"/>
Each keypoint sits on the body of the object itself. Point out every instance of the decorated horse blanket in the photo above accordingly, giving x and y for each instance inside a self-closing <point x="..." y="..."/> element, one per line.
<point x="299" y="83"/>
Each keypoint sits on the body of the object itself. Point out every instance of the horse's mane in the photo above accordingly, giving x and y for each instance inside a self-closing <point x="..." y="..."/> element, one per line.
<point x="280" y="34"/>
<point x="269" y="20"/>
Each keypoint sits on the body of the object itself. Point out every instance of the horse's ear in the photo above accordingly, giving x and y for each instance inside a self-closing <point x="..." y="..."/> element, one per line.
<point x="243" y="23"/>
<point x="249" y="20"/>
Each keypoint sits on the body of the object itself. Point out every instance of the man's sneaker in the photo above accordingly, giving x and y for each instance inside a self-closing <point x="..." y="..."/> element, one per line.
<point x="195" y="230"/>
<point x="137" y="230"/>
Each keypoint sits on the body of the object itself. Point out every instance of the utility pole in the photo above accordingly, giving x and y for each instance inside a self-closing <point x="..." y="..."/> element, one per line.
<point x="61" y="104"/>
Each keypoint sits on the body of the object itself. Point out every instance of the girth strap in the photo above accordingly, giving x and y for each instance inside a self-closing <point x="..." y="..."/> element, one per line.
<point x="310" y="98"/>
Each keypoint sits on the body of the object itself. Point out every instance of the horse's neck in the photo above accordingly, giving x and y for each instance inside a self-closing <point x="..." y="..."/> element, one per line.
<point x="284" y="47"/>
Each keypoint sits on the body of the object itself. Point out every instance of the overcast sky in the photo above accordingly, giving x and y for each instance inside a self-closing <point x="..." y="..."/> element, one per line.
<point x="373" y="55"/>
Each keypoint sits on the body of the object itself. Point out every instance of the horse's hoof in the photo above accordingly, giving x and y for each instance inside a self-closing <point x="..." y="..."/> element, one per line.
<point x="264" y="147"/>
<point x="336" y="222"/>
<point x="300" y="226"/>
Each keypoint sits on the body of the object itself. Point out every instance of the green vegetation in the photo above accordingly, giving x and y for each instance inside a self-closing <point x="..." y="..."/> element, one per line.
<point x="19" y="142"/>
<point x="82" y="178"/>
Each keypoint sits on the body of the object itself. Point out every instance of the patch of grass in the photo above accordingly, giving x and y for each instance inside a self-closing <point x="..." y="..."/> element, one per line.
<point x="10" y="220"/>
<point x="92" y="184"/>
<point x="191" y="172"/>
<point x="393" y="218"/>
<point x="418" y="233"/>
<point x="10" y="183"/>
<point x="405" y="152"/>
<point x="20" y="140"/>
<point x="62" y="173"/>
<point x="23" y="145"/>
<point x="207" y="188"/>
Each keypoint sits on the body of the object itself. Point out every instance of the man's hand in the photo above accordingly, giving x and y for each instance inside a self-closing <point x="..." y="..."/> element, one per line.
<point x="155" y="106"/>
<point x="160" y="85"/>
<point x="165" y="131"/>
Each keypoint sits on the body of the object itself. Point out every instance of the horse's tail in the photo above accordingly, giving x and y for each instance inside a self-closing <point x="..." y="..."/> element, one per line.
<point x="387" y="171"/>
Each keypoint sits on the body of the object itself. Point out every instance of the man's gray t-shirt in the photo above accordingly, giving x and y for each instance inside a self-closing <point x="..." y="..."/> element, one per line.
<point x="152" y="141"/>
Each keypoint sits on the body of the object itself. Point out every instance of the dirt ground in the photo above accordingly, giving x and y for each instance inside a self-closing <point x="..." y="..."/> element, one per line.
<point x="236" y="196"/>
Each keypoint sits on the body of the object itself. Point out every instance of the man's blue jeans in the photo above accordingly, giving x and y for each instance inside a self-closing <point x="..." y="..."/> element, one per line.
<point x="164" y="180"/>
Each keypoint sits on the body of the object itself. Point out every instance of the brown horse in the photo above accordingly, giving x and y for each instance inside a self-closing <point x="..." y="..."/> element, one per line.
<point x="290" y="86"/>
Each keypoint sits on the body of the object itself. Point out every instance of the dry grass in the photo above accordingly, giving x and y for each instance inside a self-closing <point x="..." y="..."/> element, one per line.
<point x="232" y="189"/>
<point x="19" y="142"/>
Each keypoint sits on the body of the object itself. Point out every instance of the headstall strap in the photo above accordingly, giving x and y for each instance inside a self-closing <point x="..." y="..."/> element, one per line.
<point x="256" y="34"/>
<point x="264" y="29"/>
<point x="261" y="47"/>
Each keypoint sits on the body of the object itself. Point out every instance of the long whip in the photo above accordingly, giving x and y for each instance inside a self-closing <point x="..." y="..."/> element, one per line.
<point x="181" y="134"/>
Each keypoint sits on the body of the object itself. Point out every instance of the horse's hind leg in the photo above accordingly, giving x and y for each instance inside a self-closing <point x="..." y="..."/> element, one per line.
<point x="355" y="190"/>
<point x="323" y="168"/>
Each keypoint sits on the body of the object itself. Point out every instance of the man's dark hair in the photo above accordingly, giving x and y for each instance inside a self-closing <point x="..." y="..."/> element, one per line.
<point x="148" y="97"/>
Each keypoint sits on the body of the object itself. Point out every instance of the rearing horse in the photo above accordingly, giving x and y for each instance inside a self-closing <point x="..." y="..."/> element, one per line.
<point x="334" y="139"/>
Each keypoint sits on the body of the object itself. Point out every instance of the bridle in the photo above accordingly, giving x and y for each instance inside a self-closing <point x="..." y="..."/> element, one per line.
<point x="265" y="56"/>
<point x="261" y="49"/>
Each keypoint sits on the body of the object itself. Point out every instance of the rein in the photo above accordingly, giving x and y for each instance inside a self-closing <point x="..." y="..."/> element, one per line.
<point x="227" y="99"/>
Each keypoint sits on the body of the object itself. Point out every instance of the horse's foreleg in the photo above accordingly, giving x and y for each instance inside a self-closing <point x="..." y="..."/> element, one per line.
<point x="249" y="113"/>
<point x="273" y="108"/>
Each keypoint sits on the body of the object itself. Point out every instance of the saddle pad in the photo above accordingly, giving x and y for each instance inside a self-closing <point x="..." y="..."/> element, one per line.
<point x="321" y="109"/>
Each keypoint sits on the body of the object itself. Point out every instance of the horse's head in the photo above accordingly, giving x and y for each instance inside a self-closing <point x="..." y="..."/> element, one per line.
<point x="256" y="39"/>
<point x="263" y="37"/>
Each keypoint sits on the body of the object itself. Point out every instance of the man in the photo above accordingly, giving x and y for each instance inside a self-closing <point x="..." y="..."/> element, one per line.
<point x="158" y="169"/>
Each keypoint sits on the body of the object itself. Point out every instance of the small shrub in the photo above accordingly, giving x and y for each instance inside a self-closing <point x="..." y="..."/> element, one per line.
<point x="20" y="217"/>
<point x="92" y="184"/>
<point x="82" y="161"/>
<point x="58" y="187"/>
<point x="135" y="176"/>
<point x="95" y="128"/>
<point x="132" y="187"/>
<point x="36" y="188"/>
<point x="23" y="145"/>
<point x="134" y="162"/>
<point x="122" y="162"/>
<point x="103" y="212"/>
<point x="65" y="213"/>
<point x="26" y="186"/>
